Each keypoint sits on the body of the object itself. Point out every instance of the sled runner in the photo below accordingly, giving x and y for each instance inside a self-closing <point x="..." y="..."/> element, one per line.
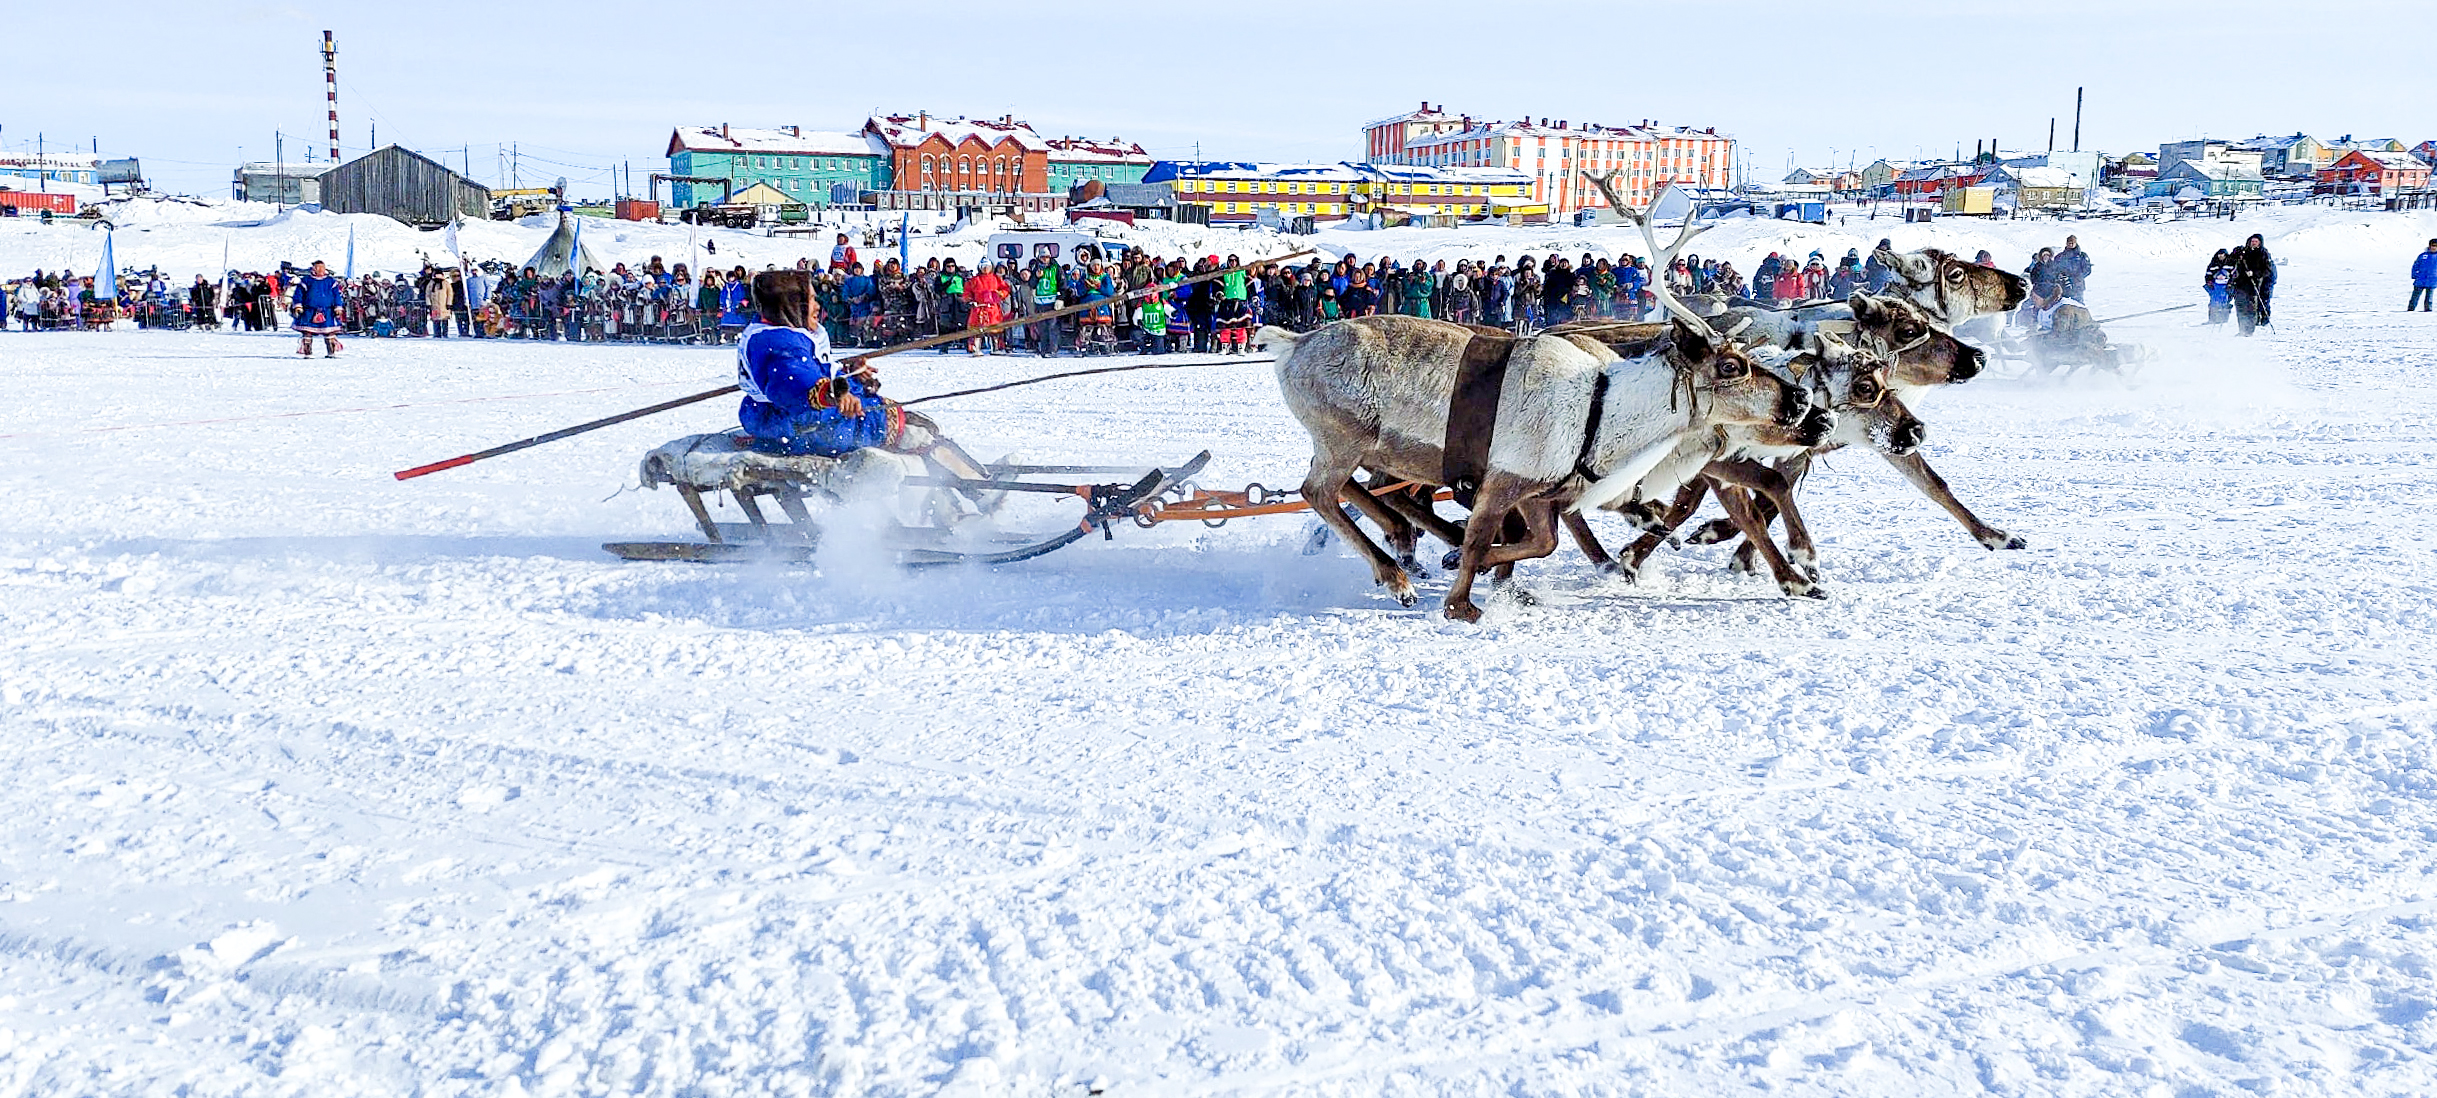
<point x="917" y="517"/>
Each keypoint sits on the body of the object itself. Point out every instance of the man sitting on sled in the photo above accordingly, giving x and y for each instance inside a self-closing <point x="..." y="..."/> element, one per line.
<point x="797" y="400"/>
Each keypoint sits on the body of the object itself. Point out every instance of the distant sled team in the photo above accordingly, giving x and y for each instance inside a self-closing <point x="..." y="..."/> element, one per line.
<point x="1643" y="419"/>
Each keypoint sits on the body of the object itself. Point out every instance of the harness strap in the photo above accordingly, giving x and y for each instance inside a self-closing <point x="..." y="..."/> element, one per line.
<point x="1590" y="428"/>
<point x="1472" y="408"/>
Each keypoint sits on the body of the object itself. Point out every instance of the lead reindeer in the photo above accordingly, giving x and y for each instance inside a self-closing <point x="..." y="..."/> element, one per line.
<point x="1896" y="321"/>
<point x="1854" y="386"/>
<point x="1911" y="328"/>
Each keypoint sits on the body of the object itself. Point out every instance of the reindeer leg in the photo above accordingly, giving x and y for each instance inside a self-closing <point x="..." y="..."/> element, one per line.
<point x="1499" y="493"/>
<point x="1774" y="497"/>
<point x="1687" y="500"/>
<point x="1402" y="537"/>
<point x="1739" y="507"/>
<point x="1916" y="469"/>
<point x="1510" y="530"/>
<point x="1330" y="473"/>
<point x="1536" y="539"/>
<point x="1415" y="504"/>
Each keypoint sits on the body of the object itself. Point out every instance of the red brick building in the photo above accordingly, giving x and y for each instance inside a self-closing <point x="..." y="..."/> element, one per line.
<point x="964" y="156"/>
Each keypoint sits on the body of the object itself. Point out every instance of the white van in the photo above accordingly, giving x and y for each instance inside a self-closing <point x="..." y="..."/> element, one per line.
<point x="1062" y="245"/>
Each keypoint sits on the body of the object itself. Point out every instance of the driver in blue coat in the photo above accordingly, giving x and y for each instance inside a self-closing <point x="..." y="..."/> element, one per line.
<point x="799" y="400"/>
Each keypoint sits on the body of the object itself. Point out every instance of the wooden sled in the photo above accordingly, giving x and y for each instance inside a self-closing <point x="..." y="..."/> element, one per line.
<point x="931" y="519"/>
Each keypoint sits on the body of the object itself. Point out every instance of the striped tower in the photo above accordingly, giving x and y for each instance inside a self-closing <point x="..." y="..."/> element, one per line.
<point x="330" y="83"/>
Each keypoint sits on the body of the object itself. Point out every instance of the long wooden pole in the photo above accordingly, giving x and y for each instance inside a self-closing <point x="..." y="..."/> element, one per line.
<point x="856" y="361"/>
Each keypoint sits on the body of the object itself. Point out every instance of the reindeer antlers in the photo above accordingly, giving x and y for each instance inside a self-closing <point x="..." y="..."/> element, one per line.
<point x="1660" y="258"/>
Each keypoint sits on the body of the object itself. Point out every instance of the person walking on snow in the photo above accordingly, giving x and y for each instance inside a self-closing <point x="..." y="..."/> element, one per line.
<point x="2424" y="280"/>
<point x="2254" y="284"/>
<point x="317" y="300"/>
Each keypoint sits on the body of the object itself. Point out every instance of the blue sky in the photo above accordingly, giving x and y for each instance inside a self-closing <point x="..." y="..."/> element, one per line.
<point x="192" y="88"/>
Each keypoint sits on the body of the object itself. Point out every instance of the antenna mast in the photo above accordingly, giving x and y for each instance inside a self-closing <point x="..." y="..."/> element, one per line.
<point x="330" y="84"/>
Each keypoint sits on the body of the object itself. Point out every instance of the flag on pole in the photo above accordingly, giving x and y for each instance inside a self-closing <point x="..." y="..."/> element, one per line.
<point x="220" y="300"/>
<point x="575" y="250"/>
<point x="905" y="223"/>
<point x="350" y="251"/>
<point x="105" y="282"/>
<point x="453" y="250"/>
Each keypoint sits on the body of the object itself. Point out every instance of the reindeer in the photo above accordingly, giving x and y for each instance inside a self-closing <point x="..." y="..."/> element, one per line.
<point x="1912" y="325"/>
<point x="1924" y="355"/>
<point x="1378" y="393"/>
<point x="1950" y="288"/>
<point x="1855" y="386"/>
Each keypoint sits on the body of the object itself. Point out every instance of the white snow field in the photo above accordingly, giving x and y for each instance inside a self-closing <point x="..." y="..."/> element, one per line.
<point x="320" y="783"/>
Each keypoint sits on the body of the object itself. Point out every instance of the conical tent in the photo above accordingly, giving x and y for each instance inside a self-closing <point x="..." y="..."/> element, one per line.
<point x="564" y="251"/>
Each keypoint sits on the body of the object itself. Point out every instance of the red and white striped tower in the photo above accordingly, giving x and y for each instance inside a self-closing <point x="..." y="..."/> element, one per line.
<point x="330" y="82"/>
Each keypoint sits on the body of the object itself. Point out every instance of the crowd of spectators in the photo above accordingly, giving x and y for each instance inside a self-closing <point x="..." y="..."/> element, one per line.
<point x="1128" y="299"/>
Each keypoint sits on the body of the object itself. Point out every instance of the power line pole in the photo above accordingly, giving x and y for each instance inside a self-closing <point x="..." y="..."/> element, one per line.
<point x="2077" y="120"/>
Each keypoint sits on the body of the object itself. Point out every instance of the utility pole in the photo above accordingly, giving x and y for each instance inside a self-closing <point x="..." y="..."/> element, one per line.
<point x="279" y="165"/>
<point x="516" y="167"/>
<point x="42" y="171"/>
<point x="2077" y="120"/>
<point x="330" y="84"/>
<point x="2051" y="133"/>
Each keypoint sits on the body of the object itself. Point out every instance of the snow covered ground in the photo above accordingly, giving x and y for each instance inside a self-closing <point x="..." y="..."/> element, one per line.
<point x="327" y="784"/>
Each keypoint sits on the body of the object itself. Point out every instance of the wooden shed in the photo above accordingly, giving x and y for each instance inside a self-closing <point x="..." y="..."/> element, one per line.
<point x="413" y="188"/>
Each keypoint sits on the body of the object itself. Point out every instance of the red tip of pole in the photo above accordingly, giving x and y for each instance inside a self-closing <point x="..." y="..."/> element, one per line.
<point x="419" y="470"/>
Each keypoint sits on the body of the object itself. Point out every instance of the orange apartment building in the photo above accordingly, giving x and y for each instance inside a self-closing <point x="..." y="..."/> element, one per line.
<point x="1555" y="154"/>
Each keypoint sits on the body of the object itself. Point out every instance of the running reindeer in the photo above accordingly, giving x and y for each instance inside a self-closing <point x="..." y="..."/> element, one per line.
<point x="1535" y="426"/>
<point x="1910" y="328"/>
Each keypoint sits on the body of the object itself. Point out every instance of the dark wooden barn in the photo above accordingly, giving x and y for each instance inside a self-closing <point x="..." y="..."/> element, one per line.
<point x="414" y="189"/>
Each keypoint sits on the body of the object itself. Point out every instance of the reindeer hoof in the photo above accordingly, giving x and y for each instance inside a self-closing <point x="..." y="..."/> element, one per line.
<point x="1742" y="565"/>
<point x="1522" y="595"/>
<point x="1464" y="612"/>
<point x="1711" y="533"/>
<point x="1999" y="539"/>
<point x="1807" y="589"/>
<point x="1452" y="558"/>
<point x="1413" y="567"/>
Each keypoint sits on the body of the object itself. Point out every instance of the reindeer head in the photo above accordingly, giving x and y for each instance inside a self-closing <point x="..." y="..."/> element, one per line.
<point x="1854" y="383"/>
<point x="1735" y="385"/>
<point x="1922" y="352"/>
<point x="1952" y="289"/>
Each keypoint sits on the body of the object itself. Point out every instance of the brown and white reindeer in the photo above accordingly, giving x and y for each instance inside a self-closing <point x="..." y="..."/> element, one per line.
<point x="1926" y="356"/>
<point x="1854" y="385"/>
<point x="1568" y="418"/>
<point x="1911" y="326"/>
<point x="1952" y="289"/>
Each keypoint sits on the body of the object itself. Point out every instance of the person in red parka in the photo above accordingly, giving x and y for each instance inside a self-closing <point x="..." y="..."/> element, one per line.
<point x="1788" y="285"/>
<point x="986" y="298"/>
